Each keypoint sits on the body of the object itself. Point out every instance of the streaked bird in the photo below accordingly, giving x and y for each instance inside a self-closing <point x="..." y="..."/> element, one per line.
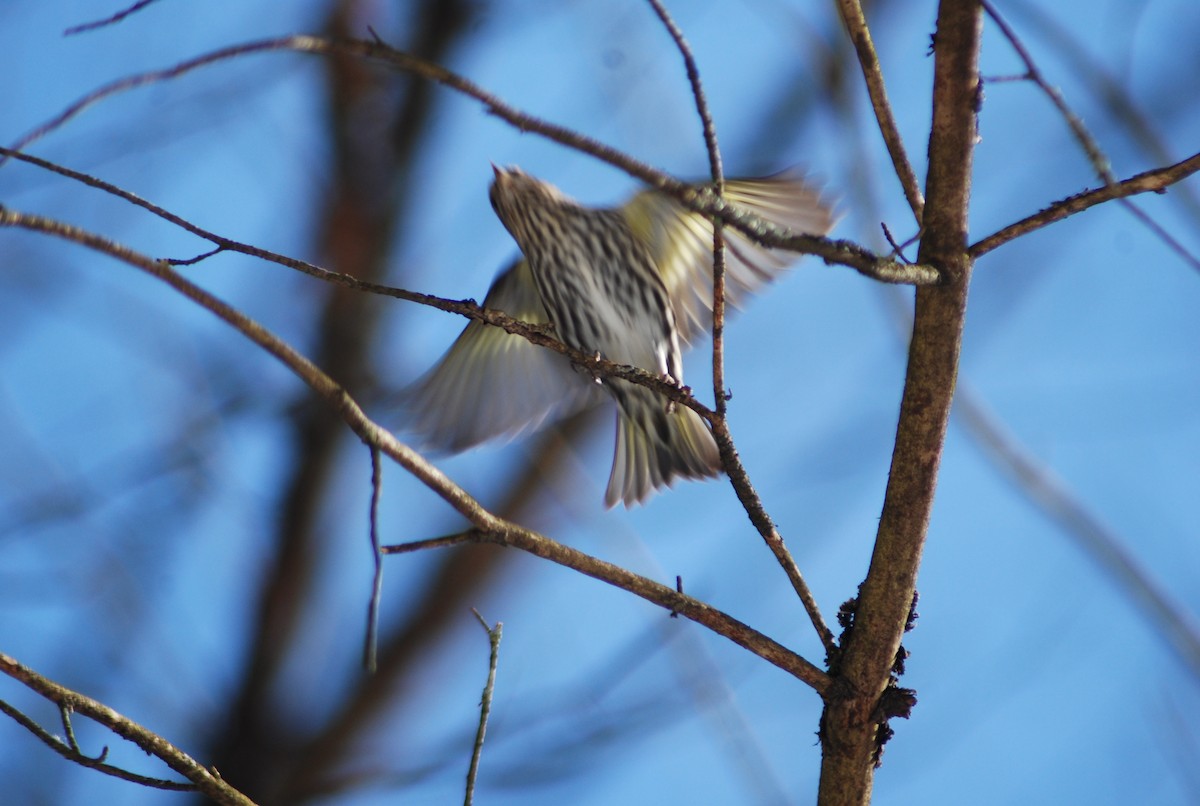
<point x="633" y="283"/>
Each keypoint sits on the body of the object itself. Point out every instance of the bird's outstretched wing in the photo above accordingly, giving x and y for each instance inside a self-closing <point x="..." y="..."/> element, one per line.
<point x="682" y="241"/>
<point x="494" y="384"/>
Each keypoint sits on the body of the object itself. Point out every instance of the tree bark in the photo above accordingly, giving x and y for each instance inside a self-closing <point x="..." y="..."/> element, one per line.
<point x="854" y="724"/>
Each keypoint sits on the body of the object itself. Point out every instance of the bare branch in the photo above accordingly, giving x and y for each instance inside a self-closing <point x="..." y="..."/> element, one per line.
<point x="203" y="780"/>
<point x="490" y="527"/>
<point x="757" y="512"/>
<point x="111" y="20"/>
<point x="1096" y="156"/>
<point x="1098" y="159"/>
<point x="595" y="365"/>
<point x="485" y="704"/>
<point x="70" y="751"/>
<point x="856" y="27"/>
<point x="666" y="597"/>
<point x="854" y="725"/>
<point x="372" y="639"/>
<point x="701" y="200"/>
<point x="739" y="478"/>
<point x="1155" y="181"/>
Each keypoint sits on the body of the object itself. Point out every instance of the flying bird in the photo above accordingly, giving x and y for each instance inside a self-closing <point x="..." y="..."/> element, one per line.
<point x="632" y="283"/>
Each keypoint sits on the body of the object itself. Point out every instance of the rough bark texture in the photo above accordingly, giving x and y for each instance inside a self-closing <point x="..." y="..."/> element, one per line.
<point x="853" y="726"/>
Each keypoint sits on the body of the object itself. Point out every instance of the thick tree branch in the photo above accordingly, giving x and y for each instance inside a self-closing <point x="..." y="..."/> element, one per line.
<point x="854" y="723"/>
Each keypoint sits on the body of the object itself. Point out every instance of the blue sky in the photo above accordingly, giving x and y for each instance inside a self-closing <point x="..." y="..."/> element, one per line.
<point x="143" y="443"/>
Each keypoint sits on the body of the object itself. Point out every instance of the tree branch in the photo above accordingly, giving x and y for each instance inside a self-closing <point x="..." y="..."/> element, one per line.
<point x="485" y="705"/>
<point x="739" y="477"/>
<point x="855" y="21"/>
<point x="1091" y="147"/>
<point x="495" y="529"/>
<point x="854" y="724"/>
<point x="514" y="536"/>
<point x="204" y="780"/>
<point x="701" y="200"/>
<point x="1155" y="181"/>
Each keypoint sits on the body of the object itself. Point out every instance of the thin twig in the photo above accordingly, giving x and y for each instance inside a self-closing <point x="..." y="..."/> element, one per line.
<point x="702" y="200"/>
<point x="485" y="704"/>
<point x="1091" y="147"/>
<point x="738" y="476"/>
<point x="593" y="364"/>
<point x="1159" y="231"/>
<point x="73" y="754"/>
<point x="1114" y="96"/>
<point x="668" y="598"/>
<point x="757" y="512"/>
<point x="1096" y="156"/>
<point x="1155" y="181"/>
<point x="115" y="18"/>
<point x="490" y="527"/>
<point x="718" y="177"/>
<point x="372" y="638"/>
<point x="856" y="27"/>
<point x="203" y="780"/>
<point x="457" y="539"/>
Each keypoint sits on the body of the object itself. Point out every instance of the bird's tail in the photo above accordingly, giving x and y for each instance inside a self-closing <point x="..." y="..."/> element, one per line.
<point x="656" y="446"/>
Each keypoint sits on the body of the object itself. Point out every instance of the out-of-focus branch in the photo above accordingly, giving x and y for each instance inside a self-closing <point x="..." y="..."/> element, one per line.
<point x="855" y="20"/>
<point x="203" y="779"/>
<point x="1168" y="617"/>
<point x="109" y="20"/>
<point x="450" y="588"/>
<point x="1114" y="96"/>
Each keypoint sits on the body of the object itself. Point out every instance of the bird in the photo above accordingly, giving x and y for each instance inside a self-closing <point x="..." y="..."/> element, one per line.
<point x="632" y="284"/>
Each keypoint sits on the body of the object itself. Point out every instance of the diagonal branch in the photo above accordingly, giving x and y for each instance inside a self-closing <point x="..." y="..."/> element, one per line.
<point x="699" y="199"/>
<point x="205" y="780"/>
<point x="112" y="19"/>
<point x="510" y="535"/>
<point x="1056" y="500"/>
<point x="1091" y="147"/>
<point x="851" y="12"/>
<point x="536" y="334"/>
<point x="491" y="527"/>
<point x="1155" y="181"/>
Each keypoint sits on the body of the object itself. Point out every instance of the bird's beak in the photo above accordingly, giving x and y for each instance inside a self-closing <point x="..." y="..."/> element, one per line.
<point x="496" y="170"/>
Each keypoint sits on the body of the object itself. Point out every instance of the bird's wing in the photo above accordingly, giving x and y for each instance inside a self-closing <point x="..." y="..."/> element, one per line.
<point x="682" y="241"/>
<point x="491" y="383"/>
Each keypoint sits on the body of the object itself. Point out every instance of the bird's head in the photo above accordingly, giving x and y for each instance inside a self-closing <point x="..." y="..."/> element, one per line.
<point x="524" y="203"/>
